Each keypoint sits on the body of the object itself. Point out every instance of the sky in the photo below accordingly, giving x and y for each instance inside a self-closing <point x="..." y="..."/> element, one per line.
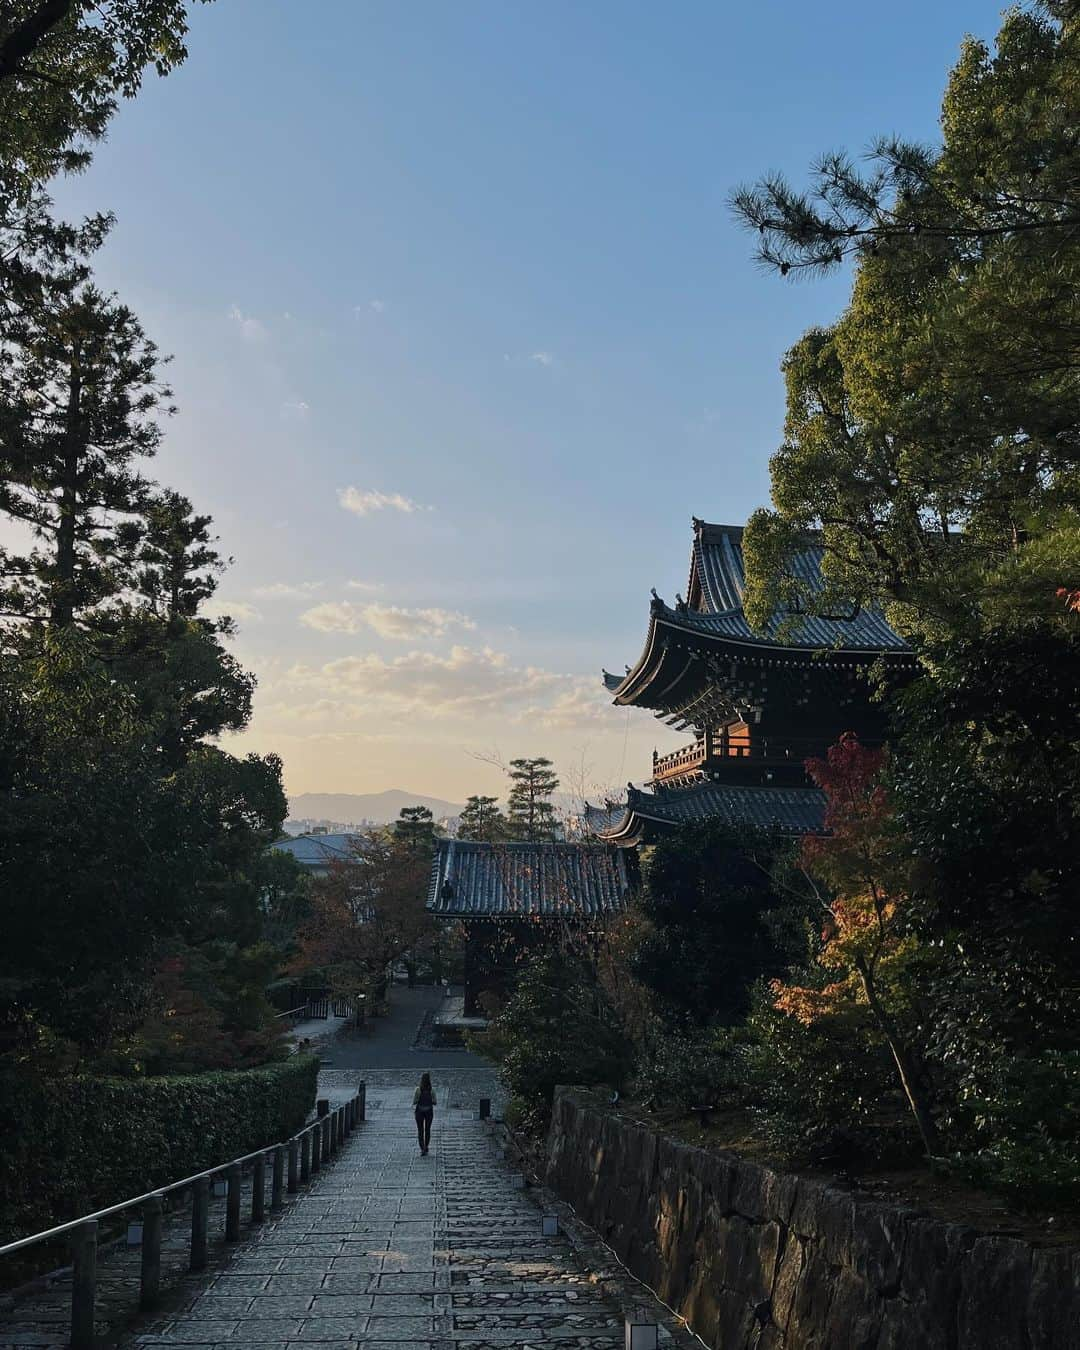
<point x="464" y="333"/>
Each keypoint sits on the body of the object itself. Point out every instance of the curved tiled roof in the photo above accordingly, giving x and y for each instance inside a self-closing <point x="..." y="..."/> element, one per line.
<point x="718" y="583"/>
<point x="318" y="850"/>
<point x="777" y="810"/>
<point x="526" y="880"/>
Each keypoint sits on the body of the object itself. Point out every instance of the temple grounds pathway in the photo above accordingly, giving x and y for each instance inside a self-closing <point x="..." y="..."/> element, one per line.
<point x="384" y="1248"/>
<point x="389" y="1249"/>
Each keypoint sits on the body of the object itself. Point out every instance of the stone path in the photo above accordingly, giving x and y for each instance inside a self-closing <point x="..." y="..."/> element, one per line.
<point x="390" y="1249"/>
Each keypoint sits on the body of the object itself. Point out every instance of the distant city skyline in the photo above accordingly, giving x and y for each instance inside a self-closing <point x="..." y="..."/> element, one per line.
<point x="464" y="334"/>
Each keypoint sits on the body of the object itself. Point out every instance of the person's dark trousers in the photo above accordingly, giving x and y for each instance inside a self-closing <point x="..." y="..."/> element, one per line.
<point x="423" y="1127"/>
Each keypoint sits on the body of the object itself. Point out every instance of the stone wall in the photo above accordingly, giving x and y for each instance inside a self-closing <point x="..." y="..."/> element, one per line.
<point x="760" y="1260"/>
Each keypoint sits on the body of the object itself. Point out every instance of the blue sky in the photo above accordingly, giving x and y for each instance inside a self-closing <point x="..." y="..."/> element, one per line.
<point x="474" y="262"/>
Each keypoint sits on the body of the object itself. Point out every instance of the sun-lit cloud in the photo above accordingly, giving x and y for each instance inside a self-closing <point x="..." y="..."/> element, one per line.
<point x="251" y="329"/>
<point x="363" y="502"/>
<point x="467" y="686"/>
<point x="234" y="609"/>
<point x="295" y="409"/>
<point x="355" y="584"/>
<point x="286" y="589"/>
<point x="389" y="621"/>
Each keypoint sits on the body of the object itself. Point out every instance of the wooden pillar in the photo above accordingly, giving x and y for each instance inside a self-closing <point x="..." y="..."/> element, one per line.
<point x="200" y="1213"/>
<point x="258" y="1189"/>
<point x="150" y="1282"/>
<point x="84" y="1284"/>
<point x="277" y="1183"/>
<point x="232" y="1204"/>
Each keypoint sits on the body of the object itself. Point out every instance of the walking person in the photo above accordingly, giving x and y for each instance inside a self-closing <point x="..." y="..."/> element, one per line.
<point x="424" y="1108"/>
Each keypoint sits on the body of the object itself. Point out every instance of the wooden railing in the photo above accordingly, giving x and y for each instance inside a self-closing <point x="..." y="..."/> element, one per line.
<point x="293" y="1162"/>
<point x="716" y="749"/>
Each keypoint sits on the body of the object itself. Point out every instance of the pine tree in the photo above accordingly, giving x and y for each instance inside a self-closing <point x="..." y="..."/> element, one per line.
<point x="80" y="400"/>
<point x="179" y="565"/>
<point x="414" y="829"/>
<point x="531" y="815"/>
<point x="482" y="821"/>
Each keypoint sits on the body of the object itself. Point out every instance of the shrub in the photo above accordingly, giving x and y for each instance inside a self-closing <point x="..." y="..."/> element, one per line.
<point x="702" y="1069"/>
<point x="557" y="1027"/>
<point x="72" y="1145"/>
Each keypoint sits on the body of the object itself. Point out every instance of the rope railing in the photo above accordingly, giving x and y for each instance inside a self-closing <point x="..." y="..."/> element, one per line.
<point x="293" y="1162"/>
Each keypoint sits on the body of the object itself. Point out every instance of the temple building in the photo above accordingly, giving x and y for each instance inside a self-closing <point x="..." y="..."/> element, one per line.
<point x="512" y="899"/>
<point x="758" y="704"/>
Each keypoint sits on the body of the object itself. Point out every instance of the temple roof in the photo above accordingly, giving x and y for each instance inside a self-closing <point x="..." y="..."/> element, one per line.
<point x="472" y="880"/>
<point x="314" y="851"/>
<point x="700" y="655"/>
<point x="776" y="810"/>
<point x="718" y="583"/>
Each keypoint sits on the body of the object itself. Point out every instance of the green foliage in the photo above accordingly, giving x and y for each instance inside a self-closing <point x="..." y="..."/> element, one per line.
<point x="71" y="1145"/>
<point x="718" y="921"/>
<point x="414" y="830"/>
<point x="703" y="1068"/>
<point x="81" y="400"/>
<point x="63" y="64"/>
<point x="530" y="814"/>
<point x="482" y="821"/>
<point x="95" y="862"/>
<point x="557" y="1027"/>
<point x="826" y="1092"/>
<point x="932" y="432"/>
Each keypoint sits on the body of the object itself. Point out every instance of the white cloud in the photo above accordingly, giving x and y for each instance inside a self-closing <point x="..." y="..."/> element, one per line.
<point x="377" y="305"/>
<point x="289" y="588"/>
<point x="234" y="609"/>
<point x="466" y="682"/>
<point x="542" y="358"/>
<point x="295" y="409"/>
<point x="251" y="330"/>
<point x="362" y="503"/>
<point x="389" y="621"/>
<point x="354" y="584"/>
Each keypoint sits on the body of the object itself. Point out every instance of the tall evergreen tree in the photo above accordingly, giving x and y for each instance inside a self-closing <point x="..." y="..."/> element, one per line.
<point x="482" y="821"/>
<point x="530" y="813"/>
<point x="179" y="564"/>
<point x="81" y="396"/>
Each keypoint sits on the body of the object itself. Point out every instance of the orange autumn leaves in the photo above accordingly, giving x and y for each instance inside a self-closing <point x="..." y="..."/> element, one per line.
<point x="856" y="862"/>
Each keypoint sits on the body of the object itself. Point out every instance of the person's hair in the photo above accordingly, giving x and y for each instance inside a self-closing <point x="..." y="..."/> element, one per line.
<point x="425" y="1081"/>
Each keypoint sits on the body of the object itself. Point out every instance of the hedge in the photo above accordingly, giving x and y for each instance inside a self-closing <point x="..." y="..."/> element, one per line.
<point x="69" y="1146"/>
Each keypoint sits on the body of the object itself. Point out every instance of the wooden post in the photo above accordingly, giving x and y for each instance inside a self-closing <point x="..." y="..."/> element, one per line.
<point x="277" y="1183"/>
<point x="150" y="1286"/>
<point x="294" y="1159"/>
<point x="200" y="1214"/>
<point x="316" y="1147"/>
<point x="346" y="1118"/>
<point x="322" y="1107"/>
<point x="258" y="1190"/>
<point x="326" y="1138"/>
<point x="84" y="1284"/>
<point x="485" y="1108"/>
<point x="232" y="1205"/>
<point x="361" y="1099"/>
<point x="305" y="1156"/>
<point x="335" y="1130"/>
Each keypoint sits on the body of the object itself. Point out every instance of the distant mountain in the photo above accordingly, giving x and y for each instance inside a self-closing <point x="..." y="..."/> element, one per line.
<point x="381" y="807"/>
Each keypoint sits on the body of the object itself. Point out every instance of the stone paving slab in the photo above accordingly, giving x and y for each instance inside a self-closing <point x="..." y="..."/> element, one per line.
<point x="385" y="1249"/>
